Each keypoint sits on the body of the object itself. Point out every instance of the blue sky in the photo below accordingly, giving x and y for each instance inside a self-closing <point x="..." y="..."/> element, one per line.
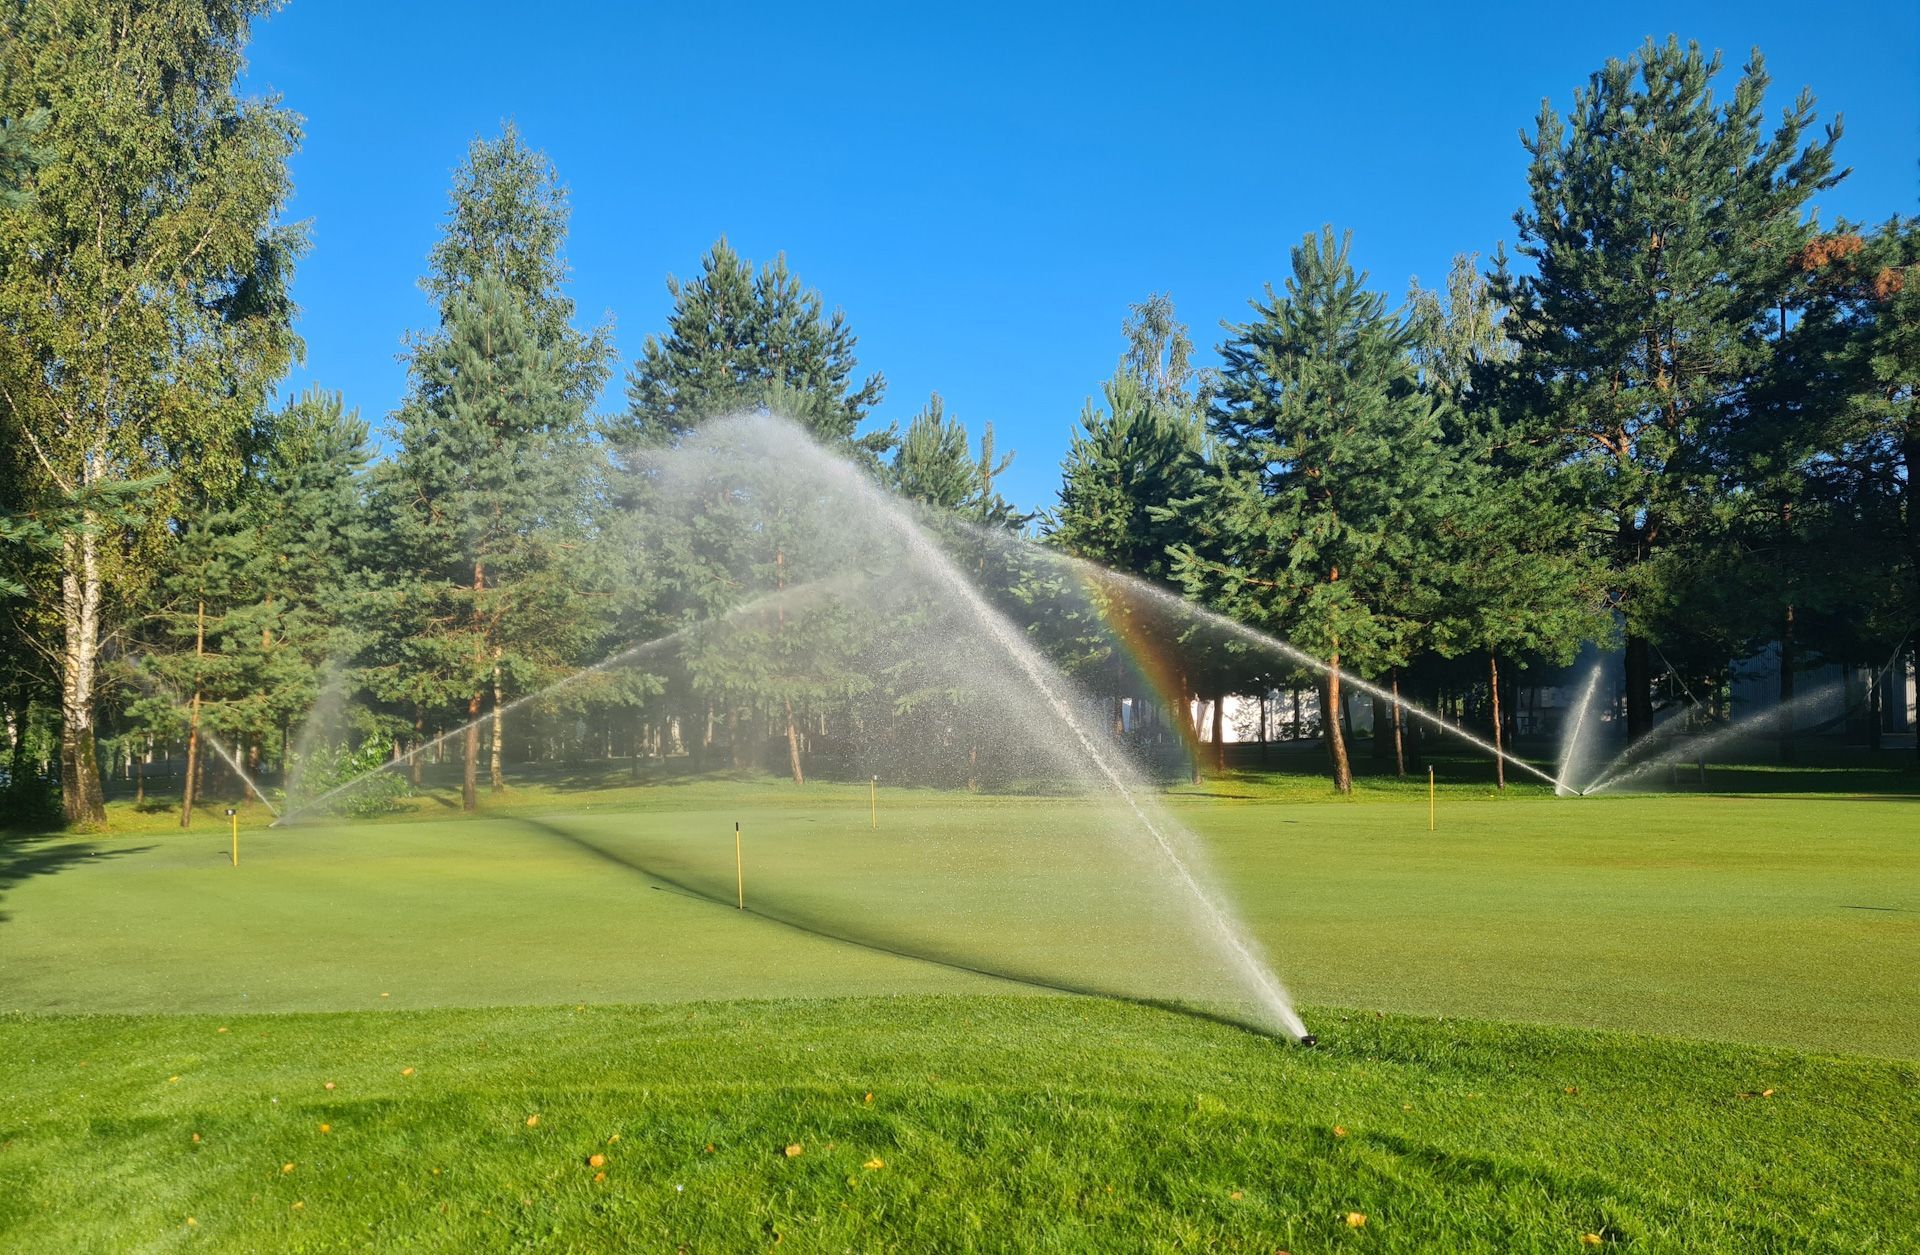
<point x="983" y="188"/>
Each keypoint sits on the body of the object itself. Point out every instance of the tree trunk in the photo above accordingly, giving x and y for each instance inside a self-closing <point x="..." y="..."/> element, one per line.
<point x="496" y="781"/>
<point x="1783" y="719"/>
<point x="1264" y="730"/>
<point x="1875" y="711"/>
<point x="1910" y="490"/>
<point x="1219" y="735"/>
<point x="793" y="746"/>
<point x="419" y="746"/>
<point x="1499" y="727"/>
<point x="1330" y="726"/>
<point x="1399" y="730"/>
<point x="17" y="761"/>
<point x="189" y="788"/>
<point x="470" y="758"/>
<point x="81" y="796"/>
<point x="1913" y="659"/>
<point x="1639" y="669"/>
<point x="1190" y="727"/>
<point x="1293" y="733"/>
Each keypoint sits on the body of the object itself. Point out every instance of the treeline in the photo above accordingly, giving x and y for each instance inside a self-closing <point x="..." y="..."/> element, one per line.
<point x="1682" y="413"/>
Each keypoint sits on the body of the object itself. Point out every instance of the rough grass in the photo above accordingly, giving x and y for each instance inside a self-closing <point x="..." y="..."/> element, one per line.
<point x="993" y="1124"/>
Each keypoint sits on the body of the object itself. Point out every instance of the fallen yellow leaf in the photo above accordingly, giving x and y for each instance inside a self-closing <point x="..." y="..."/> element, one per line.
<point x="1338" y="1131"/>
<point x="192" y="1221"/>
<point x="869" y="1097"/>
<point x="196" y="1137"/>
<point x="596" y="1161"/>
<point x="328" y="1085"/>
<point x="1766" y="1093"/>
<point x="1356" y="1220"/>
<point x="298" y="1206"/>
<point x="873" y="1164"/>
<point x="1589" y="1239"/>
<point x="173" y="1080"/>
<point x="532" y="1120"/>
<point x="794" y="1151"/>
<point x="613" y="1139"/>
<point x="1236" y="1195"/>
<point x="285" y="1168"/>
<point x="599" y="1176"/>
<point x="406" y="1071"/>
<point x="221" y="1029"/>
<point x="326" y="1128"/>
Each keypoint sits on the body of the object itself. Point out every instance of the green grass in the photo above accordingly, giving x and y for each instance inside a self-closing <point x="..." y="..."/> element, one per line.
<point x="1780" y="933"/>
<point x="1781" y="920"/>
<point x="996" y="1124"/>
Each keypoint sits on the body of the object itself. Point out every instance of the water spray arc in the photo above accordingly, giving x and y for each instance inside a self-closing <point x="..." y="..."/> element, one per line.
<point x="1649" y="755"/>
<point x="1570" y="751"/>
<point x="631" y="653"/>
<point x="1293" y="653"/>
<point x="152" y="684"/>
<point x="935" y="562"/>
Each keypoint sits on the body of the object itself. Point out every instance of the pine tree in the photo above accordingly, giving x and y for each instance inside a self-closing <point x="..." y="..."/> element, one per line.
<point x="1327" y="474"/>
<point x="252" y="597"/>
<point x="738" y="341"/>
<point x="488" y="492"/>
<point x="1662" y="227"/>
<point x="934" y="464"/>
<point x="1504" y="571"/>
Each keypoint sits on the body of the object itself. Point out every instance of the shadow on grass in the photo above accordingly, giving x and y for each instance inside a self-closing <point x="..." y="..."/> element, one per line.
<point x="917" y="949"/>
<point x="23" y="858"/>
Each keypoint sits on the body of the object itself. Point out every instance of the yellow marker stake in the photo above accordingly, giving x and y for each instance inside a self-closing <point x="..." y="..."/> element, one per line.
<point x="234" y="815"/>
<point x="873" y="800"/>
<point x="1429" y="799"/>
<point x="739" y="868"/>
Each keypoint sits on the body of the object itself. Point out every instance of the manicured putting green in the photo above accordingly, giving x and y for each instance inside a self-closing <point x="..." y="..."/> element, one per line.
<point x="1764" y="919"/>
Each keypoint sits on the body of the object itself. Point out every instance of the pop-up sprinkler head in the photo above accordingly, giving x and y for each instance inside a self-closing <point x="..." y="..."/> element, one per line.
<point x="1308" y="1039"/>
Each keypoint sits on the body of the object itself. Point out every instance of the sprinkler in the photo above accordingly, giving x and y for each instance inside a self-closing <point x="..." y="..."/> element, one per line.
<point x="1308" y="1039"/>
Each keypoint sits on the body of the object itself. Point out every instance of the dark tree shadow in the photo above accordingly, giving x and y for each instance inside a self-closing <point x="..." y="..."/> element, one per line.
<point x="22" y="858"/>
<point x="865" y="936"/>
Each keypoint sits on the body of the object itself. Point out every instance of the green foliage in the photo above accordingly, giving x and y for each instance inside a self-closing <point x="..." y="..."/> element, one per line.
<point x="739" y="341"/>
<point x="1662" y="226"/>
<point x="933" y="465"/>
<point x="144" y="312"/>
<point x="1328" y="472"/>
<point x="489" y="492"/>
<point x="329" y="766"/>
